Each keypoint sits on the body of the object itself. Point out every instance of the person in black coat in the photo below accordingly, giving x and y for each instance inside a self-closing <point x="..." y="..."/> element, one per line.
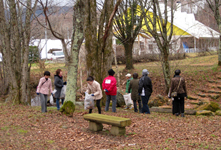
<point x="58" y="82"/>
<point x="145" y="90"/>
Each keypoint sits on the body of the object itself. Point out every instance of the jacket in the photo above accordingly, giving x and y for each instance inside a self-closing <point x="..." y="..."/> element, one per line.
<point x="127" y="85"/>
<point x="58" y="83"/>
<point x="133" y="89"/>
<point x="174" y="85"/>
<point x="110" y="84"/>
<point x="44" y="86"/>
<point x="95" y="89"/>
<point x="146" y="83"/>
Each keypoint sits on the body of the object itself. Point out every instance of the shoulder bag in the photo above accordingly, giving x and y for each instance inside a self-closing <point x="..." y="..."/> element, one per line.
<point x="174" y="94"/>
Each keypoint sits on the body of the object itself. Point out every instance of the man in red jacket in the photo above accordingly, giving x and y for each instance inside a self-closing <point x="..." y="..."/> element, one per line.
<point x="110" y="88"/>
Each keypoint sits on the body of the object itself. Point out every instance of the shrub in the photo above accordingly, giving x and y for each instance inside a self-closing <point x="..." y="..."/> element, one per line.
<point x="68" y="108"/>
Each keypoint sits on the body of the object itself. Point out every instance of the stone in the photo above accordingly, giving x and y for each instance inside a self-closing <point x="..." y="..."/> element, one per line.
<point x="218" y="112"/>
<point x="36" y="101"/>
<point x="163" y="110"/>
<point x="120" y="99"/>
<point x="192" y="98"/>
<point x="212" y="91"/>
<point x="93" y="126"/>
<point x="201" y="95"/>
<point x="194" y="102"/>
<point x="212" y="106"/>
<point x="204" y="101"/>
<point x="214" y="96"/>
<point x="79" y="103"/>
<point x="159" y="100"/>
<point x="117" y="130"/>
<point x="204" y="112"/>
<point x="166" y="107"/>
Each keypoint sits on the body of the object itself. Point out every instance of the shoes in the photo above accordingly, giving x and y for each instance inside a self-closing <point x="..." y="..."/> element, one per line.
<point x="182" y="115"/>
<point x="177" y="114"/>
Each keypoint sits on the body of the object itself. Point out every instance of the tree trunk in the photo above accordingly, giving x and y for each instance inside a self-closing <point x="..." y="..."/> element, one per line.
<point x="129" y="55"/>
<point x="77" y="39"/>
<point x="219" y="51"/>
<point x="166" y="68"/>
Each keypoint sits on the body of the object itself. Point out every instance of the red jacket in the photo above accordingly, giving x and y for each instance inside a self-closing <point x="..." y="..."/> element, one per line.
<point x="110" y="84"/>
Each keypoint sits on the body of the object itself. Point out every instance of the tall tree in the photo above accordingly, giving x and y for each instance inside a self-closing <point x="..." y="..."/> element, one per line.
<point x="15" y="28"/>
<point x="98" y="38"/>
<point x="215" y="7"/>
<point x="127" y="25"/>
<point x="161" y="30"/>
<point x="71" y="58"/>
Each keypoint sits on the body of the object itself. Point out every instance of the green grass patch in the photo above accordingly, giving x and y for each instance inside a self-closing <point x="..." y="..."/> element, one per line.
<point x="21" y="131"/>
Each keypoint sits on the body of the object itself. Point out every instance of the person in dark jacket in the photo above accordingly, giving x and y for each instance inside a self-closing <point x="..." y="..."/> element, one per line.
<point x="133" y="87"/>
<point x="178" y="85"/>
<point x="58" y="82"/>
<point x="145" y="90"/>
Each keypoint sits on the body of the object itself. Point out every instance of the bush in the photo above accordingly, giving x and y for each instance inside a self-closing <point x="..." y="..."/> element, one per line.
<point x="212" y="106"/>
<point x="159" y="100"/>
<point x="68" y="108"/>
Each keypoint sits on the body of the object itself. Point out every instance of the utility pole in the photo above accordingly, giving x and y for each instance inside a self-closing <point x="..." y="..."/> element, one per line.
<point x="46" y="39"/>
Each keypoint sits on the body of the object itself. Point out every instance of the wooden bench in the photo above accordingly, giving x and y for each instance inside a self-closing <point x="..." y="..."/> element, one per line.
<point x="118" y="123"/>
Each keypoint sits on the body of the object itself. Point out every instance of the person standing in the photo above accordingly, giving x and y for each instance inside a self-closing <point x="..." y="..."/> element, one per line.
<point x="93" y="87"/>
<point x="58" y="82"/>
<point x="133" y="87"/>
<point x="178" y="85"/>
<point x="128" y="76"/>
<point x="43" y="88"/>
<point x="109" y="86"/>
<point x="145" y="90"/>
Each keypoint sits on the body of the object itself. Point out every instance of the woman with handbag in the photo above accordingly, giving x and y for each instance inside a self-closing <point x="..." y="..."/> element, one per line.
<point x="43" y="88"/>
<point x="178" y="92"/>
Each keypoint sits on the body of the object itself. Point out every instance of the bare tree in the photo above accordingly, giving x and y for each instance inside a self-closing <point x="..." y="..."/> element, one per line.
<point x="98" y="37"/>
<point x="215" y="7"/>
<point x="127" y="25"/>
<point x="156" y="23"/>
<point x="15" y="28"/>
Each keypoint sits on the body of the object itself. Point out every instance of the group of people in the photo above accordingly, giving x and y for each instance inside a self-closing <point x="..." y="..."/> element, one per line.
<point x="45" y="85"/>
<point x="140" y="89"/>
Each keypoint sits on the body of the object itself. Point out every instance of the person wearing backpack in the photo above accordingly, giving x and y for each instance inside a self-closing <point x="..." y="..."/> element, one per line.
<point x="94" y="88"/>
<point x="145" y="90"/>
<point x="178" y="92"/>
<point x="43" y="88"/>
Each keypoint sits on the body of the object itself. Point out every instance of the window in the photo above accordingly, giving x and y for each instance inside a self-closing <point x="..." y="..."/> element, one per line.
<point x="142" y="46"/>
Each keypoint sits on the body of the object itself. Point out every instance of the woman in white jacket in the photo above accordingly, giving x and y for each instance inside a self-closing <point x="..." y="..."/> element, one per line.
<point x="94" y="88"/>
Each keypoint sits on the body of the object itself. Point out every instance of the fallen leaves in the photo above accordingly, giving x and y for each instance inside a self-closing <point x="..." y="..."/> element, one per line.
<point x="56" y="131"/>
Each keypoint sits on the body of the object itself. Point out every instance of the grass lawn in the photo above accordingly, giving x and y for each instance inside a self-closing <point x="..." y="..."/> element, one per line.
<point x="24" y="127"/>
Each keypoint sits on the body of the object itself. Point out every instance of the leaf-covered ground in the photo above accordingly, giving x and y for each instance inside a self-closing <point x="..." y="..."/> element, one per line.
<point x="24" y="127"/>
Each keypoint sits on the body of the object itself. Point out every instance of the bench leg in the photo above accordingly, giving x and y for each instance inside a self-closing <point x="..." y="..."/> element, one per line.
<point x="118" y="130"/>
<point x="93" y="126"/>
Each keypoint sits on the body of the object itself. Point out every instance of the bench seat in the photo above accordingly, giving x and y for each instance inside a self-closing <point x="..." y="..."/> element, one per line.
<point x="118" y="123"/>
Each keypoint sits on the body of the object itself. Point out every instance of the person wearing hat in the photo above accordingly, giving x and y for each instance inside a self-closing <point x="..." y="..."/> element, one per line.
<point x="109" y="86"/>
<point x="145" y="90"/>
<point x="129" y="78"/>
